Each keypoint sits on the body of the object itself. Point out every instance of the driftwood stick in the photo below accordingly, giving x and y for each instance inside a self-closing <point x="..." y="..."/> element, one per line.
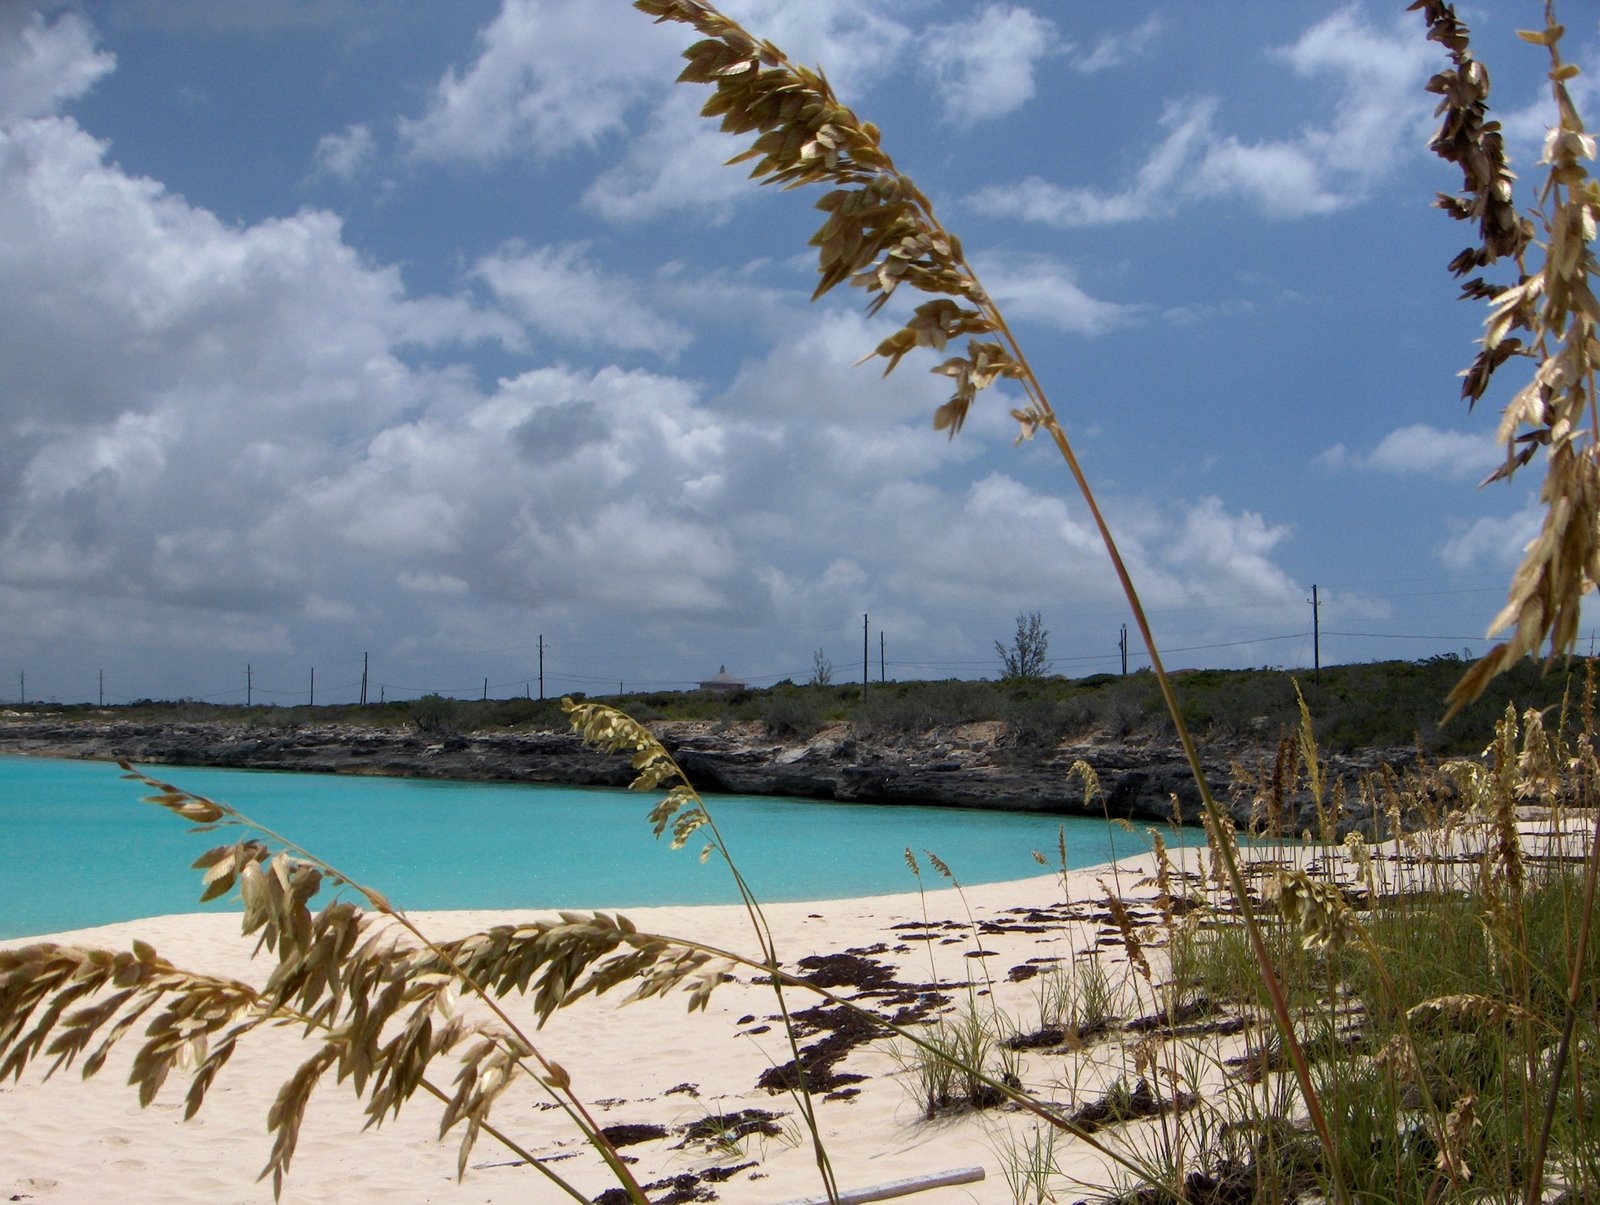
<point x="898" y="1188"/>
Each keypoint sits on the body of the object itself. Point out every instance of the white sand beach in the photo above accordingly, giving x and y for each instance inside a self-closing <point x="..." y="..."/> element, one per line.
<point x="67" y="1141"/>
<point x="680" y="1093"/>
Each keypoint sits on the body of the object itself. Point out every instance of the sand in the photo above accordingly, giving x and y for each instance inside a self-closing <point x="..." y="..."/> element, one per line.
<point x="650" y="1063"/>
<point x="652" y="1068"/>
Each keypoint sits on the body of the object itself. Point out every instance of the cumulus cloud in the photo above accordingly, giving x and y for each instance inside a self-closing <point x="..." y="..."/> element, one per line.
<point x="1420" y="449"/>
<point x="537" y="87"/>
<point x="1188" y="127"/>
<point x="1496" y="542"/>
<point x="175" y="382"/>
<point x="347" y="154"/>
<point x="857" y="40"/>
<point x="983" y="66"/>
<point x="153" y="295"/>
<point x="556" y="290"/>
<point x="677" y="164"/>
<point x="44" y="64"/>
<point x="1225" y="554"/>
<point x="1379" y="115"/>
<point x="981" y="548"/>
<point x="228" y="437"/>
<point x="1039" y="289"/>
<point x="1525" y="126"/>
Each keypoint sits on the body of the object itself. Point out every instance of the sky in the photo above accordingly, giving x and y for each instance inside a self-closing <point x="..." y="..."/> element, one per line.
<point x="429" y="334"/>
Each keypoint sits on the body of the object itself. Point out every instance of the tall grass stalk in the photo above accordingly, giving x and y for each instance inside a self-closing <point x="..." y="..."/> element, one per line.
<point x="882" y="232"/>
<point x="684" y="811"/>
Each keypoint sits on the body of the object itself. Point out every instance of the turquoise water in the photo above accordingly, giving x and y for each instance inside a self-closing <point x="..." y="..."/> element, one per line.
<point x="78" y="848"/>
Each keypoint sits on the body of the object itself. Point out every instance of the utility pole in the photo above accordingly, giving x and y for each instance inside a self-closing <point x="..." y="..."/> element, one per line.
<point x="313" y="702"/>
<point x="1316" y="636"/>
<point x="486" y="690"/>
<point x="22" y="686"/>
<point x="865" y="636"/>
<point x="541" y="667"/>
<point x="882" y="673"/>
<point x="102" y="688"/>
<point x="363" y="679"/>
<point x="1122" y="643"/>
<point x="247" y="684"/>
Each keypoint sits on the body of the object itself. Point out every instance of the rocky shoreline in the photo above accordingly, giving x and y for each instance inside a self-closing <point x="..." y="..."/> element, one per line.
<point x="968" y="765"/>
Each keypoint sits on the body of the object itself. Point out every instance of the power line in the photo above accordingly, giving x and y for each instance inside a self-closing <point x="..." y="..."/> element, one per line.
<point x="1406" y="636"/>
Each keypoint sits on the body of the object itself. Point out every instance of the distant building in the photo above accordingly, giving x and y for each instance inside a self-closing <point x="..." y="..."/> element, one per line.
<point x="722" y="680"/>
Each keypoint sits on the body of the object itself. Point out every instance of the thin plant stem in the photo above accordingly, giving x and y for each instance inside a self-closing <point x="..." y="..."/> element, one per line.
<point x="553" y="1080"/>
<point x="809" y="137"/>
<point x="1013" y="1094"/>
<point x="1279" y="1001"/>
<point x="1591" y="876"/>
<point x="769" y="955"/>
<point x="511" y="1144"/>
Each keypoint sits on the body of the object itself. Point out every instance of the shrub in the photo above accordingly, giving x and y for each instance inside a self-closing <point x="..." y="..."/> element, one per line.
<point x="437" y="716"/>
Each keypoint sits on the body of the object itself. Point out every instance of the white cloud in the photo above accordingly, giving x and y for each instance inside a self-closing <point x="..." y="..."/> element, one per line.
<point x="44" y="64"/>
<point x="326" y="610"/>
<point x="983" y="67"/>
<point x="1375" y="72"/>
<point x="990" y="546"/>
<point x="1224" y="555"/>
<point x="679" y="163"/>
<point x="227" y="435"/>
<point x="1282" y="180"/>
<point x="1379" y="116"/>
<point x="538" y="87"/>
<point x="658" y="562"/>
<point x="1497" y="542"/>
<point x="1115" y="49"/>
<point x="345" y="155"/>
<point x="857" y="41"/>
<point x="1202" y="311"/>
<point x="433" y="583"/>
<point x="1152" y="193"/>
<point x="1525" y="127"/>
<point x="177" y="387"/>
<point x="1420" y="449"/>
<point x="811" y="377"/>
<point x="118" y="290"/>
<point x="558" y="291"/>
<point x="1038" y="289"/>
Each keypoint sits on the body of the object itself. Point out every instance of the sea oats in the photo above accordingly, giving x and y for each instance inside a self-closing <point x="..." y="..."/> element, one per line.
<point x="1550" y="315"/>
<point x="1319" y="910"/>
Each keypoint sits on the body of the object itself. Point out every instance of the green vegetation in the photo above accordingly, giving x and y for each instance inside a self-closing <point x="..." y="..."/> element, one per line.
<point x="1386" y="704"/>
<point x="1028" y="655"/>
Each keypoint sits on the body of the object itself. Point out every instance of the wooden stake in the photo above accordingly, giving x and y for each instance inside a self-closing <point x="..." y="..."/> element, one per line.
<point x="899" y="1188"/>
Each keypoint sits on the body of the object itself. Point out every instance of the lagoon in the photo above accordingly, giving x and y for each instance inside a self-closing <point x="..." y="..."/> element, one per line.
<point x="78" y="848"/>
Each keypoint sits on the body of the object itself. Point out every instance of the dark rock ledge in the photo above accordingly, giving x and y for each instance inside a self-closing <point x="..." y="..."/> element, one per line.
<point x="970" y="765"/>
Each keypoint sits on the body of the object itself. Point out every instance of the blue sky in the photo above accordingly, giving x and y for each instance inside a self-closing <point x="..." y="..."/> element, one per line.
<point x="333" y="327"/>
